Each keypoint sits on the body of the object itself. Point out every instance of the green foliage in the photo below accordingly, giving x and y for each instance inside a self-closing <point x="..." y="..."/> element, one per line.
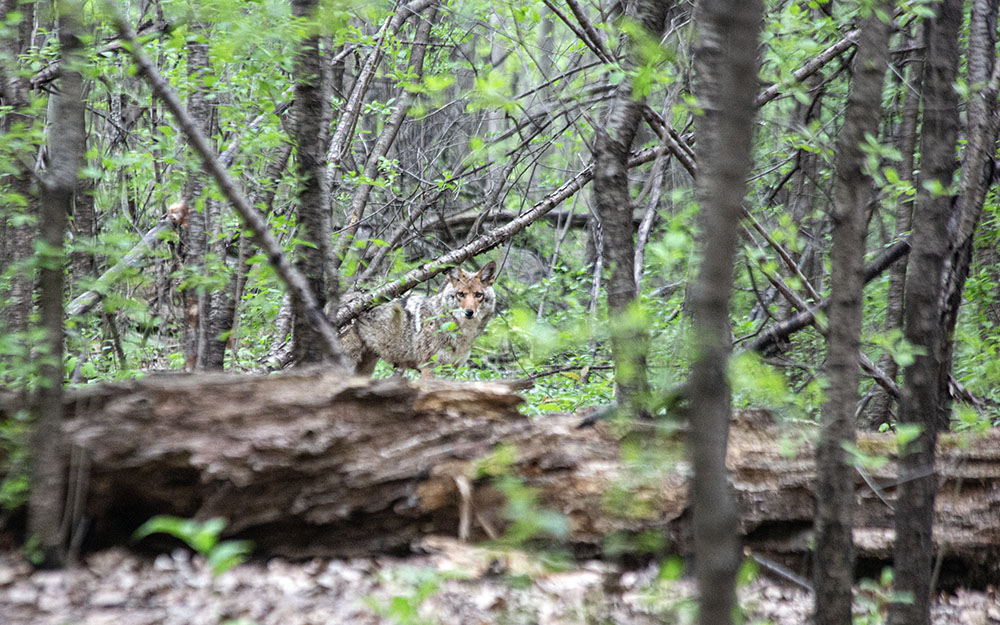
<point x="528" y="519"/>
<point x="203" y="537"/>
<point x="415" y="586"/>
<point x="874" y="598"/>
<point x="14" y="465"/>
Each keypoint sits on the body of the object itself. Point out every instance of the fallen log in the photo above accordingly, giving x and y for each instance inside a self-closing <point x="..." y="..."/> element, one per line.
<point x="311" y="463"/>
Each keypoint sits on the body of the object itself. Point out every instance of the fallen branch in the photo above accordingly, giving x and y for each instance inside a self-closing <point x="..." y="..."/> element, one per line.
<point x="781" y="331"/>
<point x="86" y="301"/>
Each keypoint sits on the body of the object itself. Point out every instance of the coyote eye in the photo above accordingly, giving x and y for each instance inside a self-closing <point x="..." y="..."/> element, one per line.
<point x="479" y="295"/>
<point x="459" y="294"/>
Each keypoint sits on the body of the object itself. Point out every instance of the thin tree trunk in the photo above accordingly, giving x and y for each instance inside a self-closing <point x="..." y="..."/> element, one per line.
<point x="82" y="262"/>
<point x="879" y="409"/>
<point x="977" y="162"/>
<point x="834" y="565"/>
<point x="17" y="234"/>
<point x="921" y="404"/>
<point x="313" y="260"/>
<point x="66" y="148"/>
<point x="194" y="238"/>
<point x="629" y="338"/>
<point x="726" y="84"/>
<point x="359" y="200"/>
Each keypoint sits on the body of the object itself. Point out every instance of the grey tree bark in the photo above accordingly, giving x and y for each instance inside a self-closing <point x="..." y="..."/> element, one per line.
<point x="66" y="149"/>
<point x="921" y="404"/>
<point x="613" y="203"/>
<point x="983" y="75"/>
<point x="880" y="408"/>
<point x="315" y="259"/>
<point x="726" y="67"/>
<point x="834" y="559"/>
<point x="194" y="237"/>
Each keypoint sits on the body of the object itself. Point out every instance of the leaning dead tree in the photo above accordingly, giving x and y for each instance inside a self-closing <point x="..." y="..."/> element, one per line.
<point x="313" y="463"/>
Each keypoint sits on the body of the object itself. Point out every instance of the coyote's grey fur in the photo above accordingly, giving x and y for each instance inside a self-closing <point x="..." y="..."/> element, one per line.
<point x="419" y="332"/>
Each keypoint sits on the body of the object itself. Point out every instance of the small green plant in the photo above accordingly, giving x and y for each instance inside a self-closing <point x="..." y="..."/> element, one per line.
<point x="874" y="597"/>
<point x="415" y="587"/>
<point x="528" y="518"/>
<point x="202" y="537"/>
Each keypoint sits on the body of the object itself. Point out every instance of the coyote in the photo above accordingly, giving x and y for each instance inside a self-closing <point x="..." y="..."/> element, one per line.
<point x="418" y="332"/>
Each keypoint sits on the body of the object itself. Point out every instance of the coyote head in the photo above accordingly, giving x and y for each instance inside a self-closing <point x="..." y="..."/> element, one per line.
<point x="472" y="291"/>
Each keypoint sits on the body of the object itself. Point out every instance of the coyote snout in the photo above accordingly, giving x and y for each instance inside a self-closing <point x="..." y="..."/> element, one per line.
<point x="418" y="332"/>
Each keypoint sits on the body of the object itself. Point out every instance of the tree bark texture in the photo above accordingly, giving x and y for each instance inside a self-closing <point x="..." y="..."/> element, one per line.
<point x="922" y="404"/>
<point x="983" y="74"/>
<point x="194" y="237"/>
<point x="66" y="150"/>
<point x="313" y="260"/>
<point x="310" y="463"/>
<point x="880" y="409"/>
<point x="725" y="84"/>
<point x="15" y="244"/>
<point x="613" y="203"/>
<point x="834" y="567"/>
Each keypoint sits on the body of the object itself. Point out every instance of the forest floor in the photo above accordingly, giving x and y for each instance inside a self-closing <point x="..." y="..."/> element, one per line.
<point x="451" y="583"/>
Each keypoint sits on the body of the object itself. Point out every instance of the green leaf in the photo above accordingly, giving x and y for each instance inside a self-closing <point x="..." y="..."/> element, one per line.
<point x="906" y="433"/>
<point x="228" y="554"/>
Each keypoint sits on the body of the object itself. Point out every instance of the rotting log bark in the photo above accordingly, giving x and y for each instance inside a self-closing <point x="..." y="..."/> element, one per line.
<point x="311" y="463"/>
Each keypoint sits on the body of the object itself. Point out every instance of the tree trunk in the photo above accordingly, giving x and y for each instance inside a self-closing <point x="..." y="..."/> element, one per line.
<point x="613" y="203"/>
<point x="17" y="229"/>
<point x="977" y="163"/>
<point x="66" y="149"/>
<point x="194" y="238"/>
<point x="359" y="200"/>
<point x="313" y="260"/>
<point x="726" y="85"/>
<point x="879" y="411"/>
<point x="921" y="404"/>
<point x="834" y="566"/>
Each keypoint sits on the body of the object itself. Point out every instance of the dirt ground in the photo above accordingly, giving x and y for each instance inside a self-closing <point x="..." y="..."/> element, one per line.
<point x="451" y="583"/>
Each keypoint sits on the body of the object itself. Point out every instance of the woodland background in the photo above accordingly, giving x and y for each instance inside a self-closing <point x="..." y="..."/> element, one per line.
<point x="843" y="155"/>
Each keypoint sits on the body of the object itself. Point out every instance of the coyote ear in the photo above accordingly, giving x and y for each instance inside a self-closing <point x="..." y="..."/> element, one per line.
<point x="455" y="274"/>
<point x="488" y="273"/>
